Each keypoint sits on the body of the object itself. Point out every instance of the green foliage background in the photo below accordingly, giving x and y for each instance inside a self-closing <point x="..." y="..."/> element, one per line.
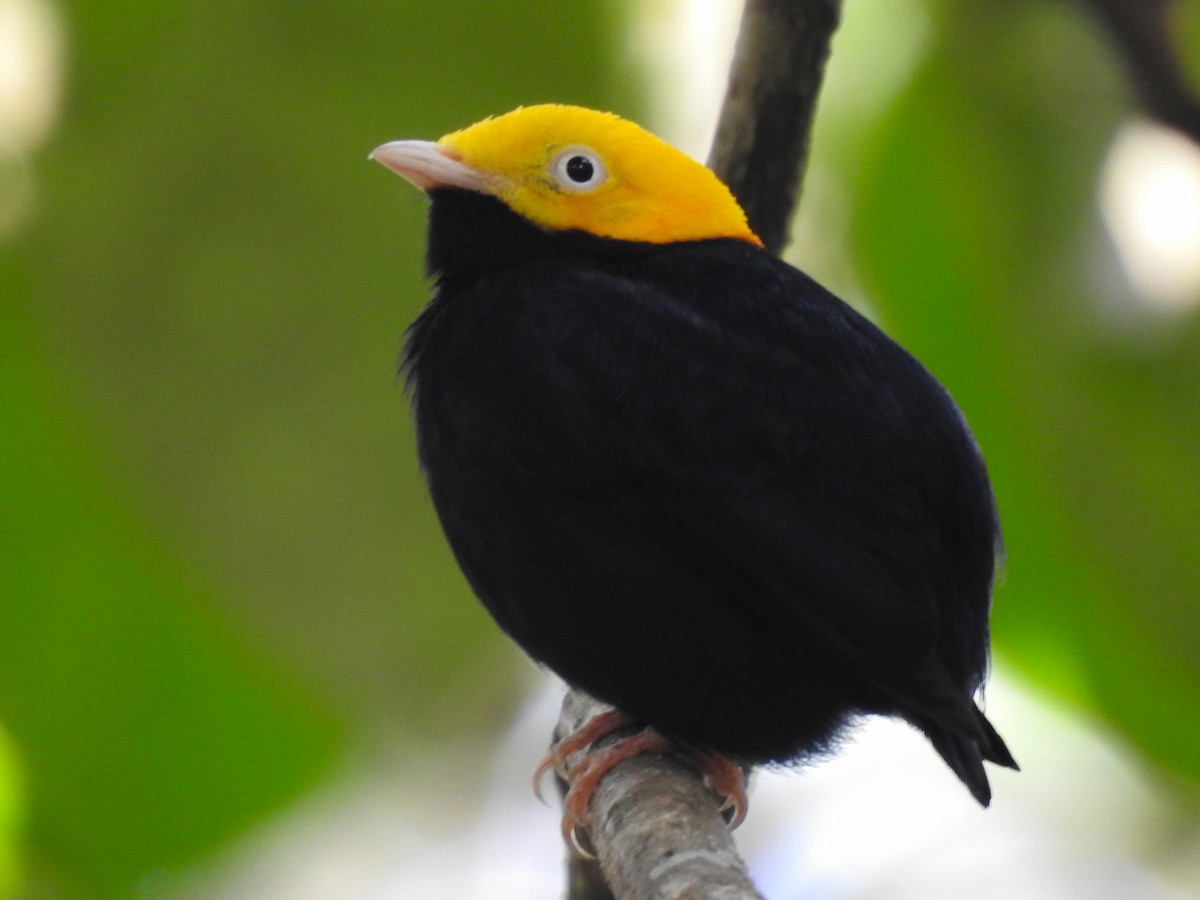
<point x="218" y="567"/>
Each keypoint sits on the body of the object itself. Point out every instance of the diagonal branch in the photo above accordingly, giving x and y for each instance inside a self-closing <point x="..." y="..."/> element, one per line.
<point x="656" y="829"/>
<point x="761" y="146"/>
<point x="1141" y="31"/>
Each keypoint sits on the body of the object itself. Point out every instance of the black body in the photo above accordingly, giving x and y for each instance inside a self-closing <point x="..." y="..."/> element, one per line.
<point x="697" y="485"/>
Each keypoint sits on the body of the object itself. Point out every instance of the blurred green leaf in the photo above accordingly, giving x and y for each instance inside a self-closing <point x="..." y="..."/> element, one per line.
<point x="12" y="814"/>
<point x="227" y="280"/>
<point x="210" y="510"/>
<point x="147" y="729"/>
<point x="971" y="224"/>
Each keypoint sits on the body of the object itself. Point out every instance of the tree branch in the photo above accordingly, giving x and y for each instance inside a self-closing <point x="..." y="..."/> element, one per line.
<point x="654" y="825"/>
<point x="656" y="829"/>
<point x="1141" y="31"/>
<point x="761" y="146"/>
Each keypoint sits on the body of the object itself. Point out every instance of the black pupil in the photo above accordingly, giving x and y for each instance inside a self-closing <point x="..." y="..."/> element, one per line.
<point x="580" y="169"/>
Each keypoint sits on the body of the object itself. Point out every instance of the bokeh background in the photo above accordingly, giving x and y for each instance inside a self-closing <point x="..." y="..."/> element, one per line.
<point x="236" y="659"/>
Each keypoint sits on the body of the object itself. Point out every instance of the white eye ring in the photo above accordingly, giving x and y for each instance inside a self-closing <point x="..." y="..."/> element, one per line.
<point x="578" y="169"/>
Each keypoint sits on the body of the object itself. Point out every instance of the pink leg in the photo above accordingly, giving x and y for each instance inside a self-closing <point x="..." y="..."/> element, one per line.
<point x="587" y="734"/>
<point x="723" y="776"/>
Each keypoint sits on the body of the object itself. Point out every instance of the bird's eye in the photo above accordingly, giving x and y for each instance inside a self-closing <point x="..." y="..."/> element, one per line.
<point x="578" y="169"/>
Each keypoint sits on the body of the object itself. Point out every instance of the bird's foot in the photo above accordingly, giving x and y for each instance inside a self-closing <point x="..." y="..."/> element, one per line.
<point x="588" y="733"/>
<point x="724" y="777"/>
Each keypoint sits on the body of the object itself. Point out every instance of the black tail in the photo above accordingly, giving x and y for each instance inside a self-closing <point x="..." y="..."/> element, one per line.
<point x="992" y="746"/>
<point x="965" y="753"/>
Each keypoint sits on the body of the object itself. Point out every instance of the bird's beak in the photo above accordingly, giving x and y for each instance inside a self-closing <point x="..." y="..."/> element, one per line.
<point x="428" y="165"/>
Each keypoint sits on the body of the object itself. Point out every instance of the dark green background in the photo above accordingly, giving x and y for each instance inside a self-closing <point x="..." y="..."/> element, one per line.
<point x="219" y="572"/>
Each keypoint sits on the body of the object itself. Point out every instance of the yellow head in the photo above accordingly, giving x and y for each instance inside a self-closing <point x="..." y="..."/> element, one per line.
<point x="565" y="167"/>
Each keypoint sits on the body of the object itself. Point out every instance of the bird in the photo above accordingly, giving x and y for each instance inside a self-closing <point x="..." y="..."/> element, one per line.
<point x="679" y="472"/>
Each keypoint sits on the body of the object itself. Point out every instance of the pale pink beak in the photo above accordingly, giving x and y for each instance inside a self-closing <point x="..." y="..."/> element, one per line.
<point x="428" y="165"/>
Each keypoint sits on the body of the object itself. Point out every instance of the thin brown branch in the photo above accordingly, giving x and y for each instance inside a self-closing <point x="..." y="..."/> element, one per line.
<point x="761" y="145"/>
<point x="1141" y="31"/>
<point x="585" y="881"/>
<point x="655" y="826"/>
<point x="656" y="829"/>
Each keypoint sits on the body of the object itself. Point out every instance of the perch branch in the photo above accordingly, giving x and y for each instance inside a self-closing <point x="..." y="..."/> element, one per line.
<point x="657" y="831"/>
<point x="761" y="145"/>
<point x="655" y="827"/>
<point x="1141" y="31"/>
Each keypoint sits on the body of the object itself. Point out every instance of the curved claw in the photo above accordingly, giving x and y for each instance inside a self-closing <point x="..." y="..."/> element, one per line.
<point x="574" y="836"/>
<point x="734" y="808"/>
<point x="549" y="761"/>
<point x="726" y="779"/>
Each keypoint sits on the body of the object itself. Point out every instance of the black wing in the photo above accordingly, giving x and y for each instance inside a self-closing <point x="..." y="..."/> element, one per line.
<point x="697" y="449"/>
